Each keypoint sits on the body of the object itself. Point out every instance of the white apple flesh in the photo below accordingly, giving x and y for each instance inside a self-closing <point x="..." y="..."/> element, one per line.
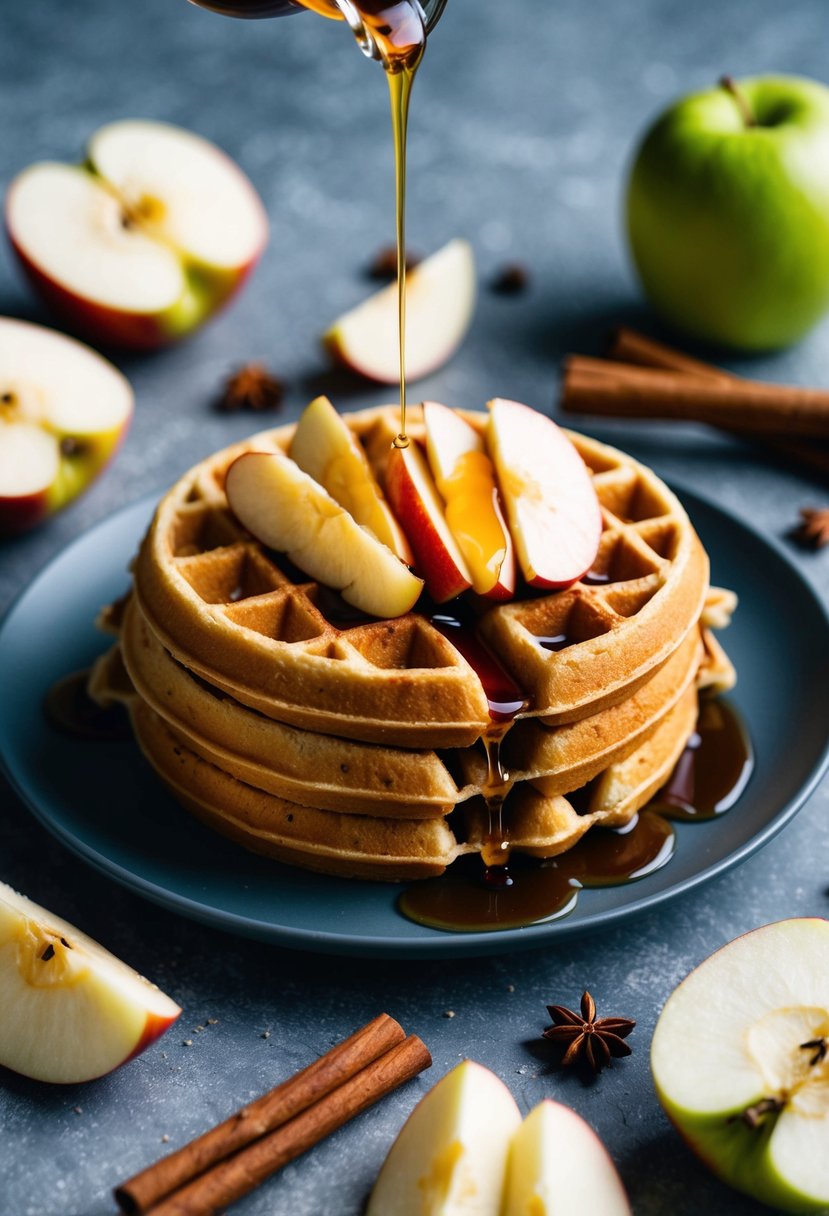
<point x="325" y="448"/>
<point x="558" y="1166"/>
<point x="552" y="509"/>
<point x="440" y="301"/>
<point x="450" y="1157"/>
<point x="465" y="477"/>
<point x="418" y="508"/>
<point x="140" y="245"/>
<point x="63" y="412"/>
<point x="69" y="1010"/>
<point x="288" y="511"/>
<point x="740" y="1059"/>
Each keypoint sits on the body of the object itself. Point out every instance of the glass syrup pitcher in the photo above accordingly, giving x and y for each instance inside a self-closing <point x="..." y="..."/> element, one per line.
<point x="384" y="29"/>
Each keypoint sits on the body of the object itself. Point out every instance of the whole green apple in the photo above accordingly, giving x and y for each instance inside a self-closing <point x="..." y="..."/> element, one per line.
<point x="728" y="211"/>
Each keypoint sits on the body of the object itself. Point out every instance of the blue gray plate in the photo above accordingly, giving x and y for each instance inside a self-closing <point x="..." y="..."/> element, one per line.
<point x="105" y="804"/>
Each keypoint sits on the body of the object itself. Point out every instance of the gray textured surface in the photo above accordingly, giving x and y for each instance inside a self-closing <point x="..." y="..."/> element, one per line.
<point x="522" y="124"/>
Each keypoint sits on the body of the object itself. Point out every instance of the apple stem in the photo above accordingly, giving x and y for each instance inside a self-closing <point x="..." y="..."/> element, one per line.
<point x="754" y="1116"/>
<point x="746" y="113"/>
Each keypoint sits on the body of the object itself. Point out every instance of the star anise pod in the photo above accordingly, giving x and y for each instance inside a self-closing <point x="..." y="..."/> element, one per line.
<point x="589" y="1042"/>
<point x="511" y="279"/>
<point x="384" y="264"/>
<point x="814" y="527"/>
<point x="251" y="387"/>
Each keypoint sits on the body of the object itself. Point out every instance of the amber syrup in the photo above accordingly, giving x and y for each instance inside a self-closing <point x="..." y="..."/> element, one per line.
<point x="709" y="776"/>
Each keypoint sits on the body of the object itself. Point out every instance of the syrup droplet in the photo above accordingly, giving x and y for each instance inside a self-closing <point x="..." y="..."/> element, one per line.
<point x="400" y="441"/>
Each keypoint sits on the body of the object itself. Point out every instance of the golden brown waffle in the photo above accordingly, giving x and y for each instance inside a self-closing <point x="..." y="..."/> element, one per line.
<point x="345" y="775"/>
<point x="362" y="846"/>
<point x="236" y="615"/>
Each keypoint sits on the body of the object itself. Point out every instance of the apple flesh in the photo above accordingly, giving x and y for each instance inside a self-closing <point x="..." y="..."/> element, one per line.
<point x="288" y="511"/>
<point x="138" y="246"/>
<point x="325" y="449"/>
<point x="440" y="301"/>
<point x="559" y="1167"/>
<point x="450" y="1158"/>
<point x="417" y="506"/>
<point x="63" y="412"/>
<point x="741" y="1065"/>
<point x="728" y="222"/>
<point x="552" y="509"/>
<point x="70" y="1011"/>
<point x="465" y="478"/>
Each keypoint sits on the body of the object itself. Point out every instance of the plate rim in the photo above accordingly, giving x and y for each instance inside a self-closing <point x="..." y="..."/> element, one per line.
<point x="441" y="943"/>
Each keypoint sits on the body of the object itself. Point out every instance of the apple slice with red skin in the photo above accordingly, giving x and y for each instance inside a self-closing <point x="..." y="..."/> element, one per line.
<point x="324" y="447"/>
<point x="64" y="410"/>
<point x="552" y="508"/>
<point x="70" y="1011"/>
<point x="465" y="478"/>
<point x="440" y="301"/>
<point x="288" y="511"/>
<point x="417" y="507"/>
<point x="142" y="243"/>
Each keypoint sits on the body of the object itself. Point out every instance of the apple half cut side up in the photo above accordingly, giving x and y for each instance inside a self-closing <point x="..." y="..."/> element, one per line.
<point x="64" y="410"/>
<point x="418" y="508"/>
<point x="324" y="447"/>
<point x="465" y="478"/>
<point x="740" y="1059"/>
<point x="558" y="1166"/>
<point x="69" y="1010"/>
<point x="288" y="511"/>
<point x="440" y="301"/>
<point x="552" y="509"/>
<point x="144" y="242"/>
<point x="451" y="1155"/>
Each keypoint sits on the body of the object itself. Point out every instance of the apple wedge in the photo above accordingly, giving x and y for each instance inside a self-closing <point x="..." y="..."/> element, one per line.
<point x="451" y="1155"/>
<point x="63" y="412"/>
<point x="288" y="511"/>
<point x="740" y="1058"/>
<point x="552" y="508"/>
<point x="138" y="246"/>
<point x="69" y="1010"/>
<point x="440" y="301"/>
<point x="558" y="1166"/>
<point x="417" y="506"/>
<point x="465" y="478"/>
<point x="324" y="447"/>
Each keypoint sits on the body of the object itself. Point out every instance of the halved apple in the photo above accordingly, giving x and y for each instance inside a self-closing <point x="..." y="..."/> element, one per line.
<point x="417" y="506"/>
<point x="465" y="478"/>
<point x="69" y="1010"/>
<point x="740" y="1059"/>
<point x="138" y="246"/>
<point x="552" y="508"/>
<point x="440" y="301"/>
<point x="558" y="1166"/>
<point x="287" y="510"/>
<point x="324" y="447"/>
<point x="450" y="1157"/>
<point x="63" y="412"/>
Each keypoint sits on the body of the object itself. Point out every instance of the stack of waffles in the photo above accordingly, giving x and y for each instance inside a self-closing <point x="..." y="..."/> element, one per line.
<point x="305" y="731"/>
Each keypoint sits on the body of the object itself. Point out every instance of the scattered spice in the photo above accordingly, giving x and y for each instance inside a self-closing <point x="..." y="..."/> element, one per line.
<point x="212" y="1021"/>
<point x="251" y="387"/>
<point x="589" y="1042"/>
<point x="510" y="987"/>
<point x="266" y="1034"/>
<point x="511" y="280"/>
<point x="78" y="1110"/>
<point x="165" y="1139"/>
<point x="449" y="1013"/>
<point x="188" y="1042"/>
<point x="813" y="530"/>
<point x="384" y="264"/>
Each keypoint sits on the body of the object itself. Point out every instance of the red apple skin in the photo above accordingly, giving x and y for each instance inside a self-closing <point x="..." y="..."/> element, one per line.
<point x="18" y="515"/>
<point x="444" y="580"/>
<point x="114" y="327"/>
<point x="154" y="1028"/>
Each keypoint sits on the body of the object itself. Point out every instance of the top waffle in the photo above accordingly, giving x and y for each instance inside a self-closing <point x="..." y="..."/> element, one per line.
<point x="238" y="615"/>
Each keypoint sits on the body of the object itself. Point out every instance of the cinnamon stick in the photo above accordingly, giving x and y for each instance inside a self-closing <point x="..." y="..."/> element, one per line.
<point x="628" y="346"/>
<point x="210" y="1193"/>
<point x="268" y="1112"/>
<point x="598" y="386"/>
